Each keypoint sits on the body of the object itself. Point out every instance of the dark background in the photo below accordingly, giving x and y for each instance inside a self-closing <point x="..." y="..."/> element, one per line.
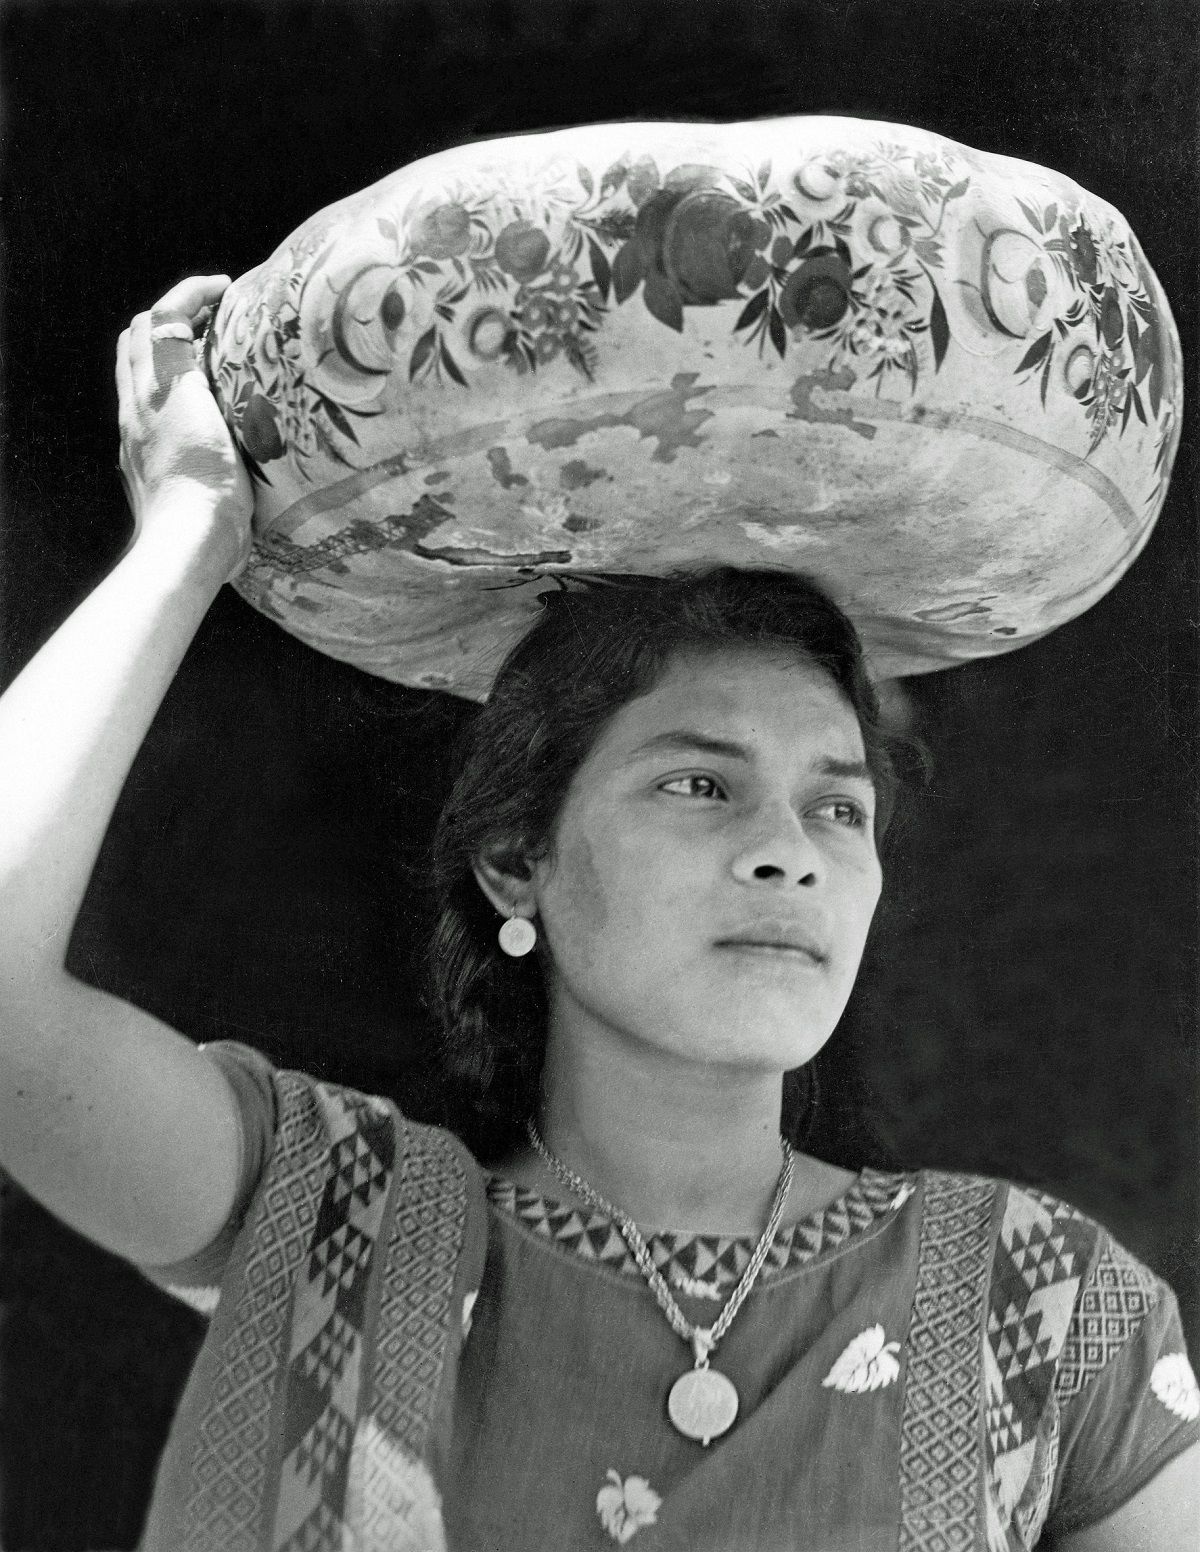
<point x="1029" y="1003"/>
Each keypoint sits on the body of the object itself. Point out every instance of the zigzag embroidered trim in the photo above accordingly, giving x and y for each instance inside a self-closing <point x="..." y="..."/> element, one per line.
<point x="700" y="1264"/>
<point x="1043" y="1249"/>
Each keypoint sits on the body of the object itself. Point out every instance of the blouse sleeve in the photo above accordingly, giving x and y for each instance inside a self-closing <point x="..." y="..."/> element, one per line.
<point x="1128" y="1398"/>
<point x="197" y="1280"/>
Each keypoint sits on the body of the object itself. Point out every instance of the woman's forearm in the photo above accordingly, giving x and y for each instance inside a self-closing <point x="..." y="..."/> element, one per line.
<point x="73" y="720"/>
<point x="108" y="1116"/>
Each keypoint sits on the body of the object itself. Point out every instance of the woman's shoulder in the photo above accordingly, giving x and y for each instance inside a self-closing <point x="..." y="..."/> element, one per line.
<point x="306" y="1114"/>
<point x="324" y="1162"/>
<point x="1084" y="1366"/>
<point x="1060" y="1289"/>
<point x="1039" y="1236"/>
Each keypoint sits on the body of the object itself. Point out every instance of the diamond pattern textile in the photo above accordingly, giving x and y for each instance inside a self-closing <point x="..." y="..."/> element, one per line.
<point x="1118" y="1296"/>
<point x="939" y="1439"/>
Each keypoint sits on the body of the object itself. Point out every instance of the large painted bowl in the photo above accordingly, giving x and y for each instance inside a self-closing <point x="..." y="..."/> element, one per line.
<point x="944" y="384"/>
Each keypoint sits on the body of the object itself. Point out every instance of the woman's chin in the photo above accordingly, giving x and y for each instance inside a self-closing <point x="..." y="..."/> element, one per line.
<point x="761" y="1034"/>
<point x="772" y="997"/>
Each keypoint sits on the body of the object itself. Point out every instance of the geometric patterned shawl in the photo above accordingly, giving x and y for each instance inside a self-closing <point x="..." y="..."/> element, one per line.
<point x="305" y="1421"/>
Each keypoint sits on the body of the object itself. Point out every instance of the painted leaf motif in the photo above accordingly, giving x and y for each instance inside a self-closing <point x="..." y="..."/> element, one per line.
<point x="1112" y="324"/>
<point x="613" y="178"/>
<point x="778" y="332"/>
<point x="339" y="419"/>
<point x="939" y="330"/>
<point x="581" y="353"/>
<point x="601" y="270"/>
<point x="325" y="443"/>
<point x="929" y="250"/>
<point x="252" y="468"/>
<point x="642" y="180"/>
<point x="1035" y="353"/>
<point x="662" y="302"/>
<point x="452" y="366"/>
<point x="422" y="351"/>
<point x="868" y="1363"/>
<point x="753" y="310"/>
<point x="627" y="271"/>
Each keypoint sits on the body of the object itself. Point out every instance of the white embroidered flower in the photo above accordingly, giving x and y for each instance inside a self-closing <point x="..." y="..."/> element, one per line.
<point x="624" y="1507"/>
<point x="1175" y="1386"/>
<point x="869" y="1363"/>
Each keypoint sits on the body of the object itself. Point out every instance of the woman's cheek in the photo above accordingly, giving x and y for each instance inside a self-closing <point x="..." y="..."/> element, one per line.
<point x="580" y="887"/>
<point x="575" y="908"/>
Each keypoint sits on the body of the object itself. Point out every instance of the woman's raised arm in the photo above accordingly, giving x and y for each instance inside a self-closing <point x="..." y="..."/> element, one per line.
<point x="107" y="1116"/>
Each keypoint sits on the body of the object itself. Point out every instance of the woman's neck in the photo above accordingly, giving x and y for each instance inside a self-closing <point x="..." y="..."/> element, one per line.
<point x="675" y="1145"/>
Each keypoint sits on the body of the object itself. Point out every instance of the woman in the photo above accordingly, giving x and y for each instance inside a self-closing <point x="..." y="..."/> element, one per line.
<point x="652" y="1319"/>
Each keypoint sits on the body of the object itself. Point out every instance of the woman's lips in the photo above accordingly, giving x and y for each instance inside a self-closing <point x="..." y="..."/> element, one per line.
<point x="775" y="946"/>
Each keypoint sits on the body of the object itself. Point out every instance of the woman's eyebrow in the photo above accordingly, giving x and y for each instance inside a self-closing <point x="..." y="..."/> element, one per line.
<point x="690" y="738"/>
<point x="850" y="770"/>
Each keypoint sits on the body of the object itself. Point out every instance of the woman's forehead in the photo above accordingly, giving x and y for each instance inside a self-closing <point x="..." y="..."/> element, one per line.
<point x="755" y="698"/>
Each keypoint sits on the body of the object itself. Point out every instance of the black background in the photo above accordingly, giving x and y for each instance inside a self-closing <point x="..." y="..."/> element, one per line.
<point x="1029" y="1003"/>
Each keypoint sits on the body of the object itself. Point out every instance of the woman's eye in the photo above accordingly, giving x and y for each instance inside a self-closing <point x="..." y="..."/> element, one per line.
<point x="693" y="787"/>
<point x="844" y="812"/>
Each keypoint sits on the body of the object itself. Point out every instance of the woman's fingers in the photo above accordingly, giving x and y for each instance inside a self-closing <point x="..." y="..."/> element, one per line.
<point x="125" y="406"/>
<point x="189" y="298"/>
<point x="124" y="375"/>
<point x="173" y="435"/>
<point x="160" y="352"/>
<point x="161" y="341"/>
<point x="159" y="346"/>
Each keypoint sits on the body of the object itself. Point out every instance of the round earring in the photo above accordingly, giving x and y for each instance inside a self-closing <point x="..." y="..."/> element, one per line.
<point x="517" y="936"/>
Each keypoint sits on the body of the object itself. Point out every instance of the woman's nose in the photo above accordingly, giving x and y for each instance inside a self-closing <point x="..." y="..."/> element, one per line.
<point x="778" y="850"/>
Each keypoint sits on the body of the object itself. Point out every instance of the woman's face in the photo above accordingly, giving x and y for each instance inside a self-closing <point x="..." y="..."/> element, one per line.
<point x="714" y="870"/>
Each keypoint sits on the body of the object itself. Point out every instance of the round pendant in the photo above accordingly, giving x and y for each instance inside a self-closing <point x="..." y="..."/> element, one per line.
<point x="702" y="1404"/>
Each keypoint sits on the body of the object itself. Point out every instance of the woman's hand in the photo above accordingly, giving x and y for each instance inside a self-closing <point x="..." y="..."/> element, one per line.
<point x="178" y="460"/>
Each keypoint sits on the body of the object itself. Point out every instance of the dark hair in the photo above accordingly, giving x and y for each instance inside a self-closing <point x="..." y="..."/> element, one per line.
<point x="595" y="647"/>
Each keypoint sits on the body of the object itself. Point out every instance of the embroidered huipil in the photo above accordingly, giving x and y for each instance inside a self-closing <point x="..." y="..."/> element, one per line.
<point x="406" y="1356"/>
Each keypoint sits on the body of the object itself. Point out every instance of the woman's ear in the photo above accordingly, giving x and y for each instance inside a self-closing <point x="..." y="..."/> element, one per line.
<point x="507" y="881"/>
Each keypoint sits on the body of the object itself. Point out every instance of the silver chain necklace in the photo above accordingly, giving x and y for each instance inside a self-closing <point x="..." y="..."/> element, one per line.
<point x="702" y="1403"/>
